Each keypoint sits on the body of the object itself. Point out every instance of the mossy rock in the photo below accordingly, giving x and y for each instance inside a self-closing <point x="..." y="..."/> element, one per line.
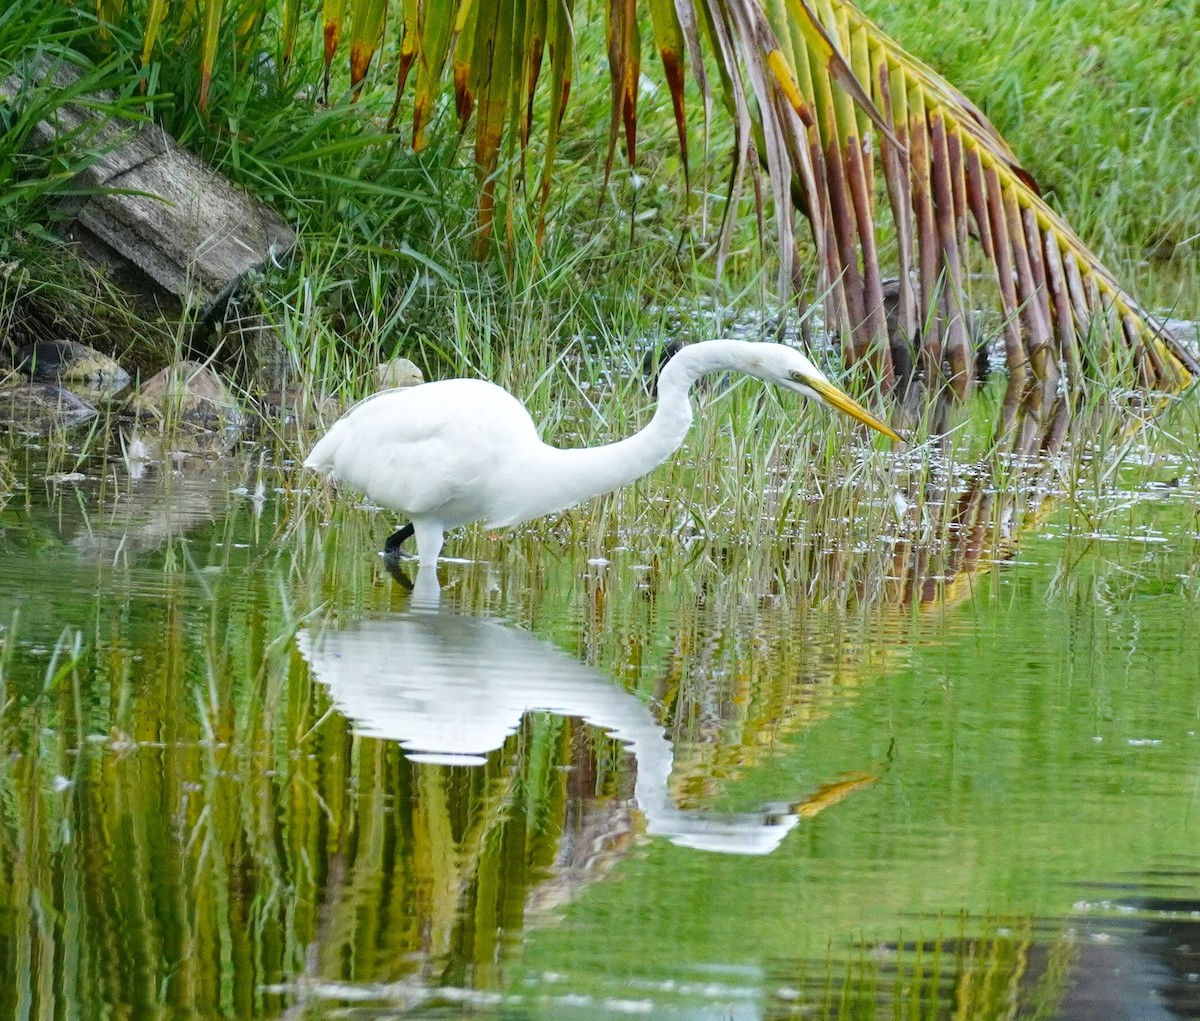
<point x="81" y="368"/>
<point x="42" y="409"/>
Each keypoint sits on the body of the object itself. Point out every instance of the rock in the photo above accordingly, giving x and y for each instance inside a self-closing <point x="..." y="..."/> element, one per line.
<point x="77" y="366"/>
<point x="164" y="224"/>
<point x="190" y="396"/>
<point x="397" y="373"/>
<point x="41" y="408"/>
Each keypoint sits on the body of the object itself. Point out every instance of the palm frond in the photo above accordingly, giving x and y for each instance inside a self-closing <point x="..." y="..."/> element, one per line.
<point x="851" y="130"/>
<point x="950" y="180"/>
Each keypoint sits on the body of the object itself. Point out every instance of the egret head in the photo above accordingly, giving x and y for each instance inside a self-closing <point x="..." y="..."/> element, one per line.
<point x="786" y="367"/>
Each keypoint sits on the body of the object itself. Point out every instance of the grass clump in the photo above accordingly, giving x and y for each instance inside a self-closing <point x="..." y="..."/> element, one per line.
<point x="8" y="481"/>
<point x="47" y="291"/>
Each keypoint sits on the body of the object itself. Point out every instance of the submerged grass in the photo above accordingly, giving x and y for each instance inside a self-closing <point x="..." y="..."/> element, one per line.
<point x="8" y="480"/>
<point x="214" y="796"/>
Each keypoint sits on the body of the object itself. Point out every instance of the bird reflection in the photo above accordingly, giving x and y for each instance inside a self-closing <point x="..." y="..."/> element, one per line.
<point x="452" y="688"/>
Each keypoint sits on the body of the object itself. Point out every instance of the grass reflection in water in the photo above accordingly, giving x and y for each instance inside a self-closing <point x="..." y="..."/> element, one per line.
<point x="203" y="818"/>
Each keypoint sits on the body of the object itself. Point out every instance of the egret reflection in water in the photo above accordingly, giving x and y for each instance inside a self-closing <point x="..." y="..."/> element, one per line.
<point x="452" y="688"/>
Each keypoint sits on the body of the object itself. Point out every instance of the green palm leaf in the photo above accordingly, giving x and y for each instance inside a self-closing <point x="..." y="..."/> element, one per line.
<point x="851" y="130"/>
<point x="949" y="176"/>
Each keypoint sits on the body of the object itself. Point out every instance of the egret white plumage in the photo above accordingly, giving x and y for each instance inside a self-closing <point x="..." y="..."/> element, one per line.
<point x="461" y="450"/>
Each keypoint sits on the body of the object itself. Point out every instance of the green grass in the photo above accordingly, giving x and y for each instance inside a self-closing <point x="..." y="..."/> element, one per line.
<point x="46" y="290"/>
<point x="384" y="265"/>
<point x="387" y="233"/>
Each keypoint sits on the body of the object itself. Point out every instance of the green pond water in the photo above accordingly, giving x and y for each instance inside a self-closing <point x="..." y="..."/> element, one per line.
<point x="247" y="772"/>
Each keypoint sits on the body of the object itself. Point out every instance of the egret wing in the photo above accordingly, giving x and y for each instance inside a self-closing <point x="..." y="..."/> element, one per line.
<point x="433" y="449"/>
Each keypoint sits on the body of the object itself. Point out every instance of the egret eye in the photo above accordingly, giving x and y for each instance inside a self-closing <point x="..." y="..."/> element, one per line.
<point x="797" y="376"/>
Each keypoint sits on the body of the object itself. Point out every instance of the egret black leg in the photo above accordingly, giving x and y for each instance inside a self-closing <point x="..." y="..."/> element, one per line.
<point x="392" y="566"/>
<point x="398" y="537"/>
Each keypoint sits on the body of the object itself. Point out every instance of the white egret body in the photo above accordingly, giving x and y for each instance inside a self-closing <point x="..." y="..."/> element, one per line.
<point x="462" y="450"/>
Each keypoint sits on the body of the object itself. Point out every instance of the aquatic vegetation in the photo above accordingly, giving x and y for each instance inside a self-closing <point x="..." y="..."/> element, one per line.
<point x="8" y="482"/>
<point x="952" y="681"/>
<point x="792" y="640"/>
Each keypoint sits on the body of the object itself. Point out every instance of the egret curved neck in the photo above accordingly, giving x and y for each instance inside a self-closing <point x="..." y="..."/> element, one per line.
<point x="574" y="475"/>
<point x="596" y="470"/>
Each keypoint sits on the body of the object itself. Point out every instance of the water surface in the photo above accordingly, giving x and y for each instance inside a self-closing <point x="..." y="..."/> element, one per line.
<point x="947" y="771"/>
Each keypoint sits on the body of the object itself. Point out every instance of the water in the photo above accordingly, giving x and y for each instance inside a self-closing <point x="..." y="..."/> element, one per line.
<point x="249" y="773"/>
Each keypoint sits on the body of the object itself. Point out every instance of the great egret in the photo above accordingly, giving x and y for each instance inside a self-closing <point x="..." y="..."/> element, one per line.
<point x="462" y="450"/>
